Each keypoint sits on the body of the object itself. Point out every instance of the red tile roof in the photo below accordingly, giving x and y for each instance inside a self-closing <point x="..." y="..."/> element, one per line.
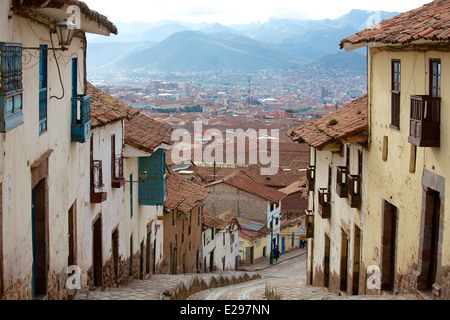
<point x="106" y="109"/>
<point x="211" y="221"/>
<point x="183" y="194"/>
<point x="146" y="134"/>
<point x="297" y="186"/>
<point x="351" y="120"/>
<point x="90" y="14"/>
<point x="428" y="23"/>
<point x="243" y="182"/>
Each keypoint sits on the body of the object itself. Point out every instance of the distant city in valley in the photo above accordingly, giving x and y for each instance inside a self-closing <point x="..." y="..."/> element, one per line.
<point x="278" y="67"/>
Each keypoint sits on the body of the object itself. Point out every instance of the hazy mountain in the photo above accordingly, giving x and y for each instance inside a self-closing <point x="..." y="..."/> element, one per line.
<point x="350" y="61"/>
<point x="103" y="54"/>
<point x="315" y="44"/>
<point x="361" y="19"/>
<point x="219" y="28"/>
<point x="275" y="44"/>
<point x="197" y="51"/>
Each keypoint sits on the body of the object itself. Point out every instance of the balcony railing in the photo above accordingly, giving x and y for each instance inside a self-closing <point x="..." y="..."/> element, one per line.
<point x="97" y="194"/>
<point x="324" y="203"/>
<point x="117" y="178"/>
<point x="81" y="118"/>
<point x="341" y="182"/>
<point x="311" y="177"/>
<point x="354" y="191"/>
<point x="425" y="121"/>
<point x="309" y="223"/>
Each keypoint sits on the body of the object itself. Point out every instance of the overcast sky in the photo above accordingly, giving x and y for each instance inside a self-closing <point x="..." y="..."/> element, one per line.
<point x="239" y="11"/>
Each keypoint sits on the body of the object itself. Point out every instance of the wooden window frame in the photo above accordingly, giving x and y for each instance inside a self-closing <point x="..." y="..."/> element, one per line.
<point x="435" y="89"/>
<point x="395" y="93"/>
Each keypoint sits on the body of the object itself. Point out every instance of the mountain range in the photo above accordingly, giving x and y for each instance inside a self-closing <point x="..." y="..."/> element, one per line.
<point x="277" y="44"/>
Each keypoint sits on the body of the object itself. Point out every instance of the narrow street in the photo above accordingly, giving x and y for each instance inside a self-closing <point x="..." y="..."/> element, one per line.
<point x="293" y="269"/>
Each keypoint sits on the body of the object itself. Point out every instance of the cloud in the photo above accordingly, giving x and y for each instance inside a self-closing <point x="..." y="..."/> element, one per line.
<point x="239" y="11"/>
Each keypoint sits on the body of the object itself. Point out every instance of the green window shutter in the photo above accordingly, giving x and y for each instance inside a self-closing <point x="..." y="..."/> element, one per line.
<point x="153" y="191"/>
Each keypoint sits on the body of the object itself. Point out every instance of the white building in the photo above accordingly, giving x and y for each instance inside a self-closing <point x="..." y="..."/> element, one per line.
<point x="45" y="131"/>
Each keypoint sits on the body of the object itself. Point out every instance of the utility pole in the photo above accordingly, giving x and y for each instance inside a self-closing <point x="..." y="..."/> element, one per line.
<point x="249" y="99"/>
<point x="271" y="241"/>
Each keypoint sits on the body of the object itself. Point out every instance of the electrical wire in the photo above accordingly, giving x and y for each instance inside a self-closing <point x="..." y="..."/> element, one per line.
<point x="59" y="72"/>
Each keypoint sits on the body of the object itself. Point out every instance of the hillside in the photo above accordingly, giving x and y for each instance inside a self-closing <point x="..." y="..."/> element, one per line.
<point x="171" y="46"/>
<point x="197" y="51"/>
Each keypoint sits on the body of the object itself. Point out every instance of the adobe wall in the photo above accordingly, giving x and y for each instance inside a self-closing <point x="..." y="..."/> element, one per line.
<point x="223" y="197"/>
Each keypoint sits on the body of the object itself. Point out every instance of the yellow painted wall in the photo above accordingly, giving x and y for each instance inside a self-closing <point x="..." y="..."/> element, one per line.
<point x="391" y="179"/>
<point x="258" y="249"/>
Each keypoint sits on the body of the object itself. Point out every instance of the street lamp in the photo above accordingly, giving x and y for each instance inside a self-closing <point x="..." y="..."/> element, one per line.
<point x="143" y="176"/>
<point x="64" y="31"/>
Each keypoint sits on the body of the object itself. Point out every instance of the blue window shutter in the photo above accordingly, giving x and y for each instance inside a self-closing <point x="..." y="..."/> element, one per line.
<point x="43" y="69"/>
<point x="153" y="191"/>
<point x="11" y="86"/>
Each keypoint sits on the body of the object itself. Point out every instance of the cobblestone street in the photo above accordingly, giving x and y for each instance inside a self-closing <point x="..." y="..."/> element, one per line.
<point x="284" y="280"/>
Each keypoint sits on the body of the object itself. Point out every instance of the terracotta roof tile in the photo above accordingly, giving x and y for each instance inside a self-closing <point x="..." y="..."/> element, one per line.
<point x="430" y="22"/>
<point x="106" y="109"/>
<point x="182" y="194"/>
<point x="211" y="221"/>
<point x="242" y="181"/>
<point x="351" y="119"/>
<point x="146" y="134"/>
<point x="297" y="186"/>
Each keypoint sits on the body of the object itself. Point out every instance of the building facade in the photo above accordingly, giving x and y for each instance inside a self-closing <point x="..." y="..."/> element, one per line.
<point x="407" y="241"/>
<point x="337" y="182"/>
<point x="45" y="129"/>
<point x="182" y="225"/>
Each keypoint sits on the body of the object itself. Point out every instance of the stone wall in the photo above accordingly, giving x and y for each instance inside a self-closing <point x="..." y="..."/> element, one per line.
<point x="223" y="197"/>
<point x="20" y="290"/>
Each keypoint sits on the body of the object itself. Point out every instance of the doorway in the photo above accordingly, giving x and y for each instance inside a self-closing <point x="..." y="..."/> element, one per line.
<point x="430" y="240"/>
<point x="311" y="262"/>
<point x="148" y="250"/>
<point x="211" y="261"/>
<point x="326" y="262"/>
<point x="72" y="236"/>
<point x="390" y="216"/>
<point x="115" y="254"/>
<point x="97" y="253"/>
<point x="40" y="239"/>
<point x="356" y="260"/>
<point x="141" y="261"/>
<point x="344" y="262"/>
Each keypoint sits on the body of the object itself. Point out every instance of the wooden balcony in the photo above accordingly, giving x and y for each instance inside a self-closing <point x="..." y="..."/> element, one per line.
<point x="311" y="177"/>
<point x="325" y="203"/>
<point x="81" y="118"/>
<point x="354" y="191"/>
<point x="117" y="178"/>
<point x="341" y="182"/>
<point x="425" y="121"/>
<point x="309" y="223"/>
<point x="97" y="194"/>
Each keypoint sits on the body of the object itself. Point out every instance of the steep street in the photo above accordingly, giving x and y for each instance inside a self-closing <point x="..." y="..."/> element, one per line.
<point x="289" y="268"/>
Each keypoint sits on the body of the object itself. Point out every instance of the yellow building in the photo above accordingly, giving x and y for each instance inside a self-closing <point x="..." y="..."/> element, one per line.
<point x="407" y="238"/>
<point x="253" y="242"/>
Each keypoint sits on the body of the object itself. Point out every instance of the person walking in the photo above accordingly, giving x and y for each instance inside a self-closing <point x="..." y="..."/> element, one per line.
<point x="277" y="254"/>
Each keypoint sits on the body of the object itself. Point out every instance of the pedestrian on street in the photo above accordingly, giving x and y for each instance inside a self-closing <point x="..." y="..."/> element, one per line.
<point x="277" y="254"/>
